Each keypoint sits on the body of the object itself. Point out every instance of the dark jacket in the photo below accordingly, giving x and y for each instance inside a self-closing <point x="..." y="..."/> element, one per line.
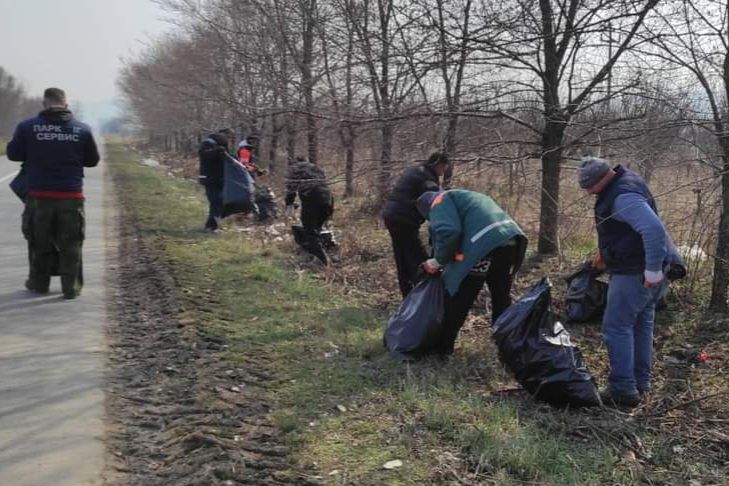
<point x="620" y="245"/>
<point x="309" y="182"/>
<point x="212" y="153"/>
<point x="400" y="206"/>
<point x="55" y="148"/>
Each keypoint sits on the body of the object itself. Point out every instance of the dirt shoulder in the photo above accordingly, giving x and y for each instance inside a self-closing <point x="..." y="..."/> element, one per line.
<point x="177" y="413"/>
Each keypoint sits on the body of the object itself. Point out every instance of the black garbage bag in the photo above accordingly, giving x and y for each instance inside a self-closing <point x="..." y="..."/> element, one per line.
<point x="314" y="243"/>
<point x="417" y="325"/>
<point x="540" y="354"/>
<point x="586" y="295"/>
<point x="238" y="189"/>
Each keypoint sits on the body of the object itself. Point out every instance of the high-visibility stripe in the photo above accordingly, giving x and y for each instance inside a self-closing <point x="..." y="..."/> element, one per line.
<point x="488" y="228"/>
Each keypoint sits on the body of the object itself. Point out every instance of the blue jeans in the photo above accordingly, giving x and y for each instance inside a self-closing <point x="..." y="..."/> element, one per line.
<point x="214" y="193"/>
<point x="627" y="329"/>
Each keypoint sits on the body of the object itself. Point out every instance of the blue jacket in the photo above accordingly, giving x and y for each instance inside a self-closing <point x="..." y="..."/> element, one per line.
<point x="55" y="148"/>
<point x="622" y="231"/>
<point x="465" y="226"/>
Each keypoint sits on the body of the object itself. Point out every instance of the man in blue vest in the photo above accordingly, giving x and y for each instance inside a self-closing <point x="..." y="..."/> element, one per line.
<point x="633" y="246"/>
<point x="54" y="148"/>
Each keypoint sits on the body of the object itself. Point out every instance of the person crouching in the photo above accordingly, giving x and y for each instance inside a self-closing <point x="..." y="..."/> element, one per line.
<point x="475" y="242"/>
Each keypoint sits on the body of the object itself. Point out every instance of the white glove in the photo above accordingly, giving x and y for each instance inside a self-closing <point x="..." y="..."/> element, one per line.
<point x="432" y="266"/>
<point x="289" y="211"/>
<point x="652" y="279"/>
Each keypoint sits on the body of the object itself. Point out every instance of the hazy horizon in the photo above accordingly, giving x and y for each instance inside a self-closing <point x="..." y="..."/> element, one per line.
<point x="76" y="45"/>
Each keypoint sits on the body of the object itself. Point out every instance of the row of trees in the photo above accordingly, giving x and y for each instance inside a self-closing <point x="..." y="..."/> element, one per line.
<point x="14" y="103"/>
<point x="494" y="81"/>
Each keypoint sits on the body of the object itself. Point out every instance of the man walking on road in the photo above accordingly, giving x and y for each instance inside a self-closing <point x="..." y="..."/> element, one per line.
<point x="54" y="148"/>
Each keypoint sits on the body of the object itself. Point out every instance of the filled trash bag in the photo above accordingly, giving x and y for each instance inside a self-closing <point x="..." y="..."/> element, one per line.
<point x="586" y="295"/>
<point x="316" y="244"/>
<point x="238" y="189"/>
<point x="538" y="351"/>
<point x="417" y="325"/>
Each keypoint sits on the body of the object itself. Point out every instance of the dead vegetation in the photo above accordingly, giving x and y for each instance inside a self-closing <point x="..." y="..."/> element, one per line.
<point x="679" y="435"/>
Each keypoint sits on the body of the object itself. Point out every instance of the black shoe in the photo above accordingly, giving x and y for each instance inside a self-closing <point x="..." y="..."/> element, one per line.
<point x="613" y="400"/>
<point x="70" y="286"/>
<point x="30" y="285"/>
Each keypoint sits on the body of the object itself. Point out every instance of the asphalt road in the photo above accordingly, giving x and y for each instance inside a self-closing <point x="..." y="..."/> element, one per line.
<point x="51" y="356"/>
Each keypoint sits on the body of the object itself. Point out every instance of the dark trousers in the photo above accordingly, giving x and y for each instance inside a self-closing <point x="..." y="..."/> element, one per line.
<point x="409" y="254"/>
<point x="214" y="193"/>
<point x="55" y="229"/>
<point x="499" y="279"/>
<point x="315" y="211"/>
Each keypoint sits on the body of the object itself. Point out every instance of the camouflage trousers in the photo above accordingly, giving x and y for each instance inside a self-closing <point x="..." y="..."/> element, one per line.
<point x="55" y="230"/>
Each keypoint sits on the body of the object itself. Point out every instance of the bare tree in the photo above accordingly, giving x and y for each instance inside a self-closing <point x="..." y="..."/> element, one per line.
<point x="556" y="49"/>
<point x="694" y="35"/>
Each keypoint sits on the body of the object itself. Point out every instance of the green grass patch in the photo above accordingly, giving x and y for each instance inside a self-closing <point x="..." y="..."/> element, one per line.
<point x="344" y="406"/>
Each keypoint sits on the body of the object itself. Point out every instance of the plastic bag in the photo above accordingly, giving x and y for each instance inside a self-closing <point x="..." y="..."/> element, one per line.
<point x="586" y="295"/>
<point x="238" y="189"/>
<point x="540" y="354"/>
<point x="19" y="185"/>
<point x="417" y="325"/>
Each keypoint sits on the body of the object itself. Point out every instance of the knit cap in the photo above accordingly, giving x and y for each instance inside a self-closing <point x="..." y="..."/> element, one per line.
<point x="591" y="171"/>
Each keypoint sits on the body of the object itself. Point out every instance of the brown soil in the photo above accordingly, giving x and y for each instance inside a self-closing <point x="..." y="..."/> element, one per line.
<point x="177" y="414"/>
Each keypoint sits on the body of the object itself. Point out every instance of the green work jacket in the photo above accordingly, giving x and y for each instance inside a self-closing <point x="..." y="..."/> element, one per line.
<point x="471" y="224"/>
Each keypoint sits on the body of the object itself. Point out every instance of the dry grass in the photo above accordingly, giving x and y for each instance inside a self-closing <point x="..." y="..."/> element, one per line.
<point x="463" y="420"/>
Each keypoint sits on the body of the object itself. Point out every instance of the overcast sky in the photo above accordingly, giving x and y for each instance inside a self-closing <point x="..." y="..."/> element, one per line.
<point x="74" y="44"/>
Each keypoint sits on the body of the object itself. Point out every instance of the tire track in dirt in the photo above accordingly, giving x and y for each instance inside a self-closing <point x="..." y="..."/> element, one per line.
<point x="176" y="413"/>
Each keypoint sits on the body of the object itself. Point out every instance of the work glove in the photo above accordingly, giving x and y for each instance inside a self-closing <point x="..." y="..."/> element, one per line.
<point x="432" y="266"/>
<point x="289" y="211"/>
<point x="652" y="279"/>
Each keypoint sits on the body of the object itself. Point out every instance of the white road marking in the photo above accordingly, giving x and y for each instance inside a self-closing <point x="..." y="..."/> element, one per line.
<point x="5" y="178"/>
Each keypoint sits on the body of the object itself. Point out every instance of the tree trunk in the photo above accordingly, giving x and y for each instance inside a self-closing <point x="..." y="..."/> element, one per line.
<point x="387" y="132"/>
<point x="290" y="137"/>
<point x="449" y="147"/>
<point x="549" y="213"/>
<point x="720" y="282"/>
<point x="273" y="147"/>
<point x="349" y="161"/>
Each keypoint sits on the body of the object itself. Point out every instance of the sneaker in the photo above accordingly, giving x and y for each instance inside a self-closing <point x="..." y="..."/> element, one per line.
<point x="613" y="400"/>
